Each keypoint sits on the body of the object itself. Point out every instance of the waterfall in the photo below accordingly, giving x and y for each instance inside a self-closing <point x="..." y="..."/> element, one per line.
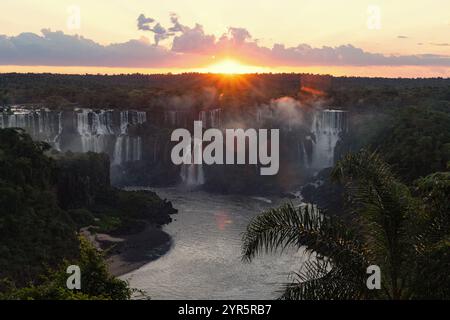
<point x="94" y="128"/>
<point x="118" y="152"/>
<point x="138" y="117"/>
<point x="56" y="139"/>
<point x="171" y="118"/>
<point x="302" y="154"/>
<point x="211" y="118"/>
<point x="123" y="122"/>
<point x="43" y="125"/>
<point x="305" y="156"/>
<point x="203" y="117"/>
<point x="98" y="130"/>
<point x="128" y="148"/>
<point x="137" y="149"/>
<point x="326" y="128"/>
<point x="215" y="116"/>
<point x="176" y="118"/>
<point x="192" y="175"/>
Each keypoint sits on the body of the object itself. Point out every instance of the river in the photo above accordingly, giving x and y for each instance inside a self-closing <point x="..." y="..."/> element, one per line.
<point x="205" y="259"/>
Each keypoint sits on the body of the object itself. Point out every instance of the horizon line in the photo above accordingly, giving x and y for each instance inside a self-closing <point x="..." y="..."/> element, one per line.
<point x="221" y="74"/>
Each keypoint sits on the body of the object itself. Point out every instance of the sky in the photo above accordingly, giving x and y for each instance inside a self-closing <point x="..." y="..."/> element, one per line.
<point x="395" y="38"/>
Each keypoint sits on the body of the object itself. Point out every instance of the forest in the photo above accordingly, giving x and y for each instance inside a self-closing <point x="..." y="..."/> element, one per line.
<point x="45" y="198"/>
<point x="384" y="202"/>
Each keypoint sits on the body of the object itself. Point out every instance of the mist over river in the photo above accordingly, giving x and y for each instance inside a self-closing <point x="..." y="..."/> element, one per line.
<point x="205" y="259"/>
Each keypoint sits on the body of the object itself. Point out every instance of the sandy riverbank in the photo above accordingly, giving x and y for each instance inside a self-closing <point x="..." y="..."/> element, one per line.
<point x="126" y="253"/>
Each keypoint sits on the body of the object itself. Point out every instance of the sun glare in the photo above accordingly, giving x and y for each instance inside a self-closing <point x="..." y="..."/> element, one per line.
<point x="230" y="67"/>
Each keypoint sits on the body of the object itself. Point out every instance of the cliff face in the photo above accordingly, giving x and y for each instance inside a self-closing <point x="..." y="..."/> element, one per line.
<point x="83" y="182"/>
<point x="45" y="200"/>
<point x="138" y="144"/>
<point x="82" y="179"/>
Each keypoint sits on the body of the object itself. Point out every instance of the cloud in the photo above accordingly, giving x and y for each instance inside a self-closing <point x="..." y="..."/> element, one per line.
<point x="143" y="23"/>
<point x="177" y="26"/>
<point x="190" y="47"/>
<point x="59" y="49"/>
<point x="160" y="33"/>
<point x="194" y="41"/>
<point x="440" y="44"/>
<point x="239" y="35"/>
<point x="402" y="37"/>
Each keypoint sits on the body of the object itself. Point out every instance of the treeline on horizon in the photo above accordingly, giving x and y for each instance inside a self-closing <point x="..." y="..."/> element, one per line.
<point x="142" y="91"/>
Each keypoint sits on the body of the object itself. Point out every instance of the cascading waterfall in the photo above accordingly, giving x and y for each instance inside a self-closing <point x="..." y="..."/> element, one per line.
<point x="43" y="125"/>
<point x="172" y="118"/>
<point x="211" y="118"/>
<point x="123" y="122"/>
<point x="305" y="156"/>
<point x="192" y="175"/>
<point x="327" y="126"/>
<point x="98" y="130"/>
<point x="176" y="118"/>
<point x="302" y="154"/>
<point x="216" y="118"/>
<point x="57" y="139"/>
<point x="128" y="148"/>
<point x="94" y="129"/>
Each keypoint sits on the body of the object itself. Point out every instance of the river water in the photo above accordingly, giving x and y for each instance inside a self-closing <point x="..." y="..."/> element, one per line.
<point x="205" y="259"/>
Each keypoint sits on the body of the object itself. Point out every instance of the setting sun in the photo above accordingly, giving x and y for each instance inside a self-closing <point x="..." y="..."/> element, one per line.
<point x="230" y="67"/>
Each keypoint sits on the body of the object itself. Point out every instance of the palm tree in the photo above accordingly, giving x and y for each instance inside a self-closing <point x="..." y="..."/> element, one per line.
<point x="387" y="227"/>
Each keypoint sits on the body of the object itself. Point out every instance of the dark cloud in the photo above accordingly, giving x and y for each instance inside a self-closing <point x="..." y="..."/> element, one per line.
<point x="348" y="55"/>
<point x="239" y="35"/>
<point x="59" y="49"/>
<point x="177" y="26"/>
<point x="402" y="37"/>
<point x="160" y="33"/>
<point x="143" y="22"/>
<point x="194" y="41"/>
<point x="190" y="47"/>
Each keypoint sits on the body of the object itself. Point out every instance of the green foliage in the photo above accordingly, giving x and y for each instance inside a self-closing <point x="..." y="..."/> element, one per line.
<point x="34" y="232"/>
<point x="43" y="202"/>
<point x="416" y="143"/>
<point x="83" y="187"/>
<point x="82" y="179"/>
<point x="385" y="210"/>
<point x="405" y="236"/>
<point x="81" y="217"/>
<point x="328" y="241"/>
<point x="96" y="283"/>
<point x="144" y="205"/>
<point x="96" y="280"/>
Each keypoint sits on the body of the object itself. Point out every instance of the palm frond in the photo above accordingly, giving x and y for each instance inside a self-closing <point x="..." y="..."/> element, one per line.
<point x="385" y="209"/>
<point x="320" y="280"/>
<point x="304" y="226"/>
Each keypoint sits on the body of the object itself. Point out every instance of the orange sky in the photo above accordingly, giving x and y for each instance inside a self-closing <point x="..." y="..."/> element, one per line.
<point x="388" y="72"/>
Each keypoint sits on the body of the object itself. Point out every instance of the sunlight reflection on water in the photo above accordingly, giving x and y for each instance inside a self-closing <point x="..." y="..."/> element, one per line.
<point x="205" y="260"/>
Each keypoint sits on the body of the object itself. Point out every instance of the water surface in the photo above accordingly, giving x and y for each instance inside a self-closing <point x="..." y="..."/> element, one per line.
<point x="205" y="260"/>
